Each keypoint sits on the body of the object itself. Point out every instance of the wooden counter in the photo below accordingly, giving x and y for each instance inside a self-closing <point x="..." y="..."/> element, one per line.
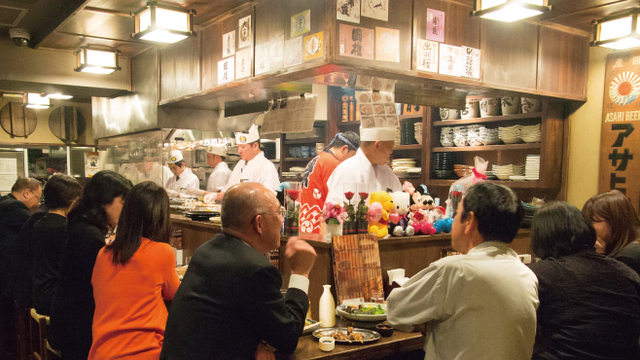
<point x="413" y="253"/>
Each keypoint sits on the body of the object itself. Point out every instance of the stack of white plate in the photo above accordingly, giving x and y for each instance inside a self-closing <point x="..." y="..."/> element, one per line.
<point x="398" y="139"/>
<point x="532" y="168"/>
<point x="518" y="170"/>
<point x="489" y="136"/>
<point x="503" y="172"/>
<point x="510" y="134"/>
<point x="460" y="135"/>
<point x="401" y="166"/>
<point x="417" y="130"/>
<point x="530" y="134"/>
<point x="473" y="135"/>
<point x="446" y="136"/>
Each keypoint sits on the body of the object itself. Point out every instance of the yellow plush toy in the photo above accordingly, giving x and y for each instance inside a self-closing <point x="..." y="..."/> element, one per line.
<point x="380" y="204"/>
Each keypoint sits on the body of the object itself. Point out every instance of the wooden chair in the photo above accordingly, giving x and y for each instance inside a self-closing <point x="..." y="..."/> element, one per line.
<point x="23" y="316"/>
<point x="40" y="348"/>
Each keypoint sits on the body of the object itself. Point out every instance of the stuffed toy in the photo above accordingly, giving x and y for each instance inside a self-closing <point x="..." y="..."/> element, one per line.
<point x="398" y="220"/>
<point x="421" y="200"/>
<point x="422" y="215"/>
<point x="378" y="215"/>
<point x="421" y="224"/>
<point x="443" y="225"/>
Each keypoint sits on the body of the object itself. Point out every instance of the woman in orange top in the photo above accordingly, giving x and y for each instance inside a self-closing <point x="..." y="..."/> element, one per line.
<point x="131" y="278"/>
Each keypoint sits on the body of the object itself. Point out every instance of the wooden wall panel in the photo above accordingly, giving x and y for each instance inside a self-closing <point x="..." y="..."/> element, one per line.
<point x="552" y="138"/>
<point x="180" y="69"/>
<point x="509" y="54"/>
<point x="460" y="28"/>
<point x="564" y="62"/>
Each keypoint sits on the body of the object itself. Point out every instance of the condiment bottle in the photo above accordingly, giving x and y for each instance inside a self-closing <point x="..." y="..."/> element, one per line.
<point x="327" y="308"/>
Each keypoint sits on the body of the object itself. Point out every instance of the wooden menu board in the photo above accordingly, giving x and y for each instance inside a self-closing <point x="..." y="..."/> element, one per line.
<point x="356" y="268"/>
<point x="620" y="139"/>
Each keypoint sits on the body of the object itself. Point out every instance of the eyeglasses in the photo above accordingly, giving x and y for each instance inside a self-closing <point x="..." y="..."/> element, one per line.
<point x="280" y="213"/>
<point x="39" y="197"/>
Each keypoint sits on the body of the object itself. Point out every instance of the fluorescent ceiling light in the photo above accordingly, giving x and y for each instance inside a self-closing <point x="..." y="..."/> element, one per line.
<point x="162" y="23"/>
<point x="619" y="31"/>
<point x="59" y="96"/>
<point x="509" y="10"/>
<point x="36" y="101"/>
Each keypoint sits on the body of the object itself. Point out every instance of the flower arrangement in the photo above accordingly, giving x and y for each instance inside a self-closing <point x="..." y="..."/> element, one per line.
<point x="334" y="214"/>
<point x="361" y="213"/>
<point x="350" y="227"/>
<point x="292" y="212"/>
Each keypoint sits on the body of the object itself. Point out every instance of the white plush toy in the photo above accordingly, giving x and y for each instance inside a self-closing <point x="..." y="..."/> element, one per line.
<point x="398" y="221"/>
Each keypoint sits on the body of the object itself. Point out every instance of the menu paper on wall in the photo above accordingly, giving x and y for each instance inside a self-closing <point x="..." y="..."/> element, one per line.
<point x="620" y="134"/>
<point x="277" y="46"/>
<point x="229" y="43"/>
<point x="427" y="59"/>
<point x="243" y="63"/>
<point x="375" y="9"/>
<point x="313" y="46"/>
<point x="8" y="166"/>
<point x="300" y="23"/>
<point x="356" y="42"/>
<point x="293" y="51"/>
<point x="300" y="114"/>
<point x="245" y="37"/>
<point x="225" y="70"/>
<point x="348" y="10"/>
<point x="435" y="25"/>
<point x="471" y="62"/>
<point x="92" y="164"/>
<point x="450" y="60"/>
<point x="377" y="109"/>
<point x="387" y="44"/>
<point x="7" y="181"/>
<point x="274" y="117"/>
<point x="262" y="58"/>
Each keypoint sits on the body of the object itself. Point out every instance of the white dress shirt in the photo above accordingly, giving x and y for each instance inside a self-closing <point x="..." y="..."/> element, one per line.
<point x="219" y="177"/>
<point x="358" y="169"/>
<point x="186" y="180"/>
<point x="259" y="169"/>
<point x="478" y="306"/>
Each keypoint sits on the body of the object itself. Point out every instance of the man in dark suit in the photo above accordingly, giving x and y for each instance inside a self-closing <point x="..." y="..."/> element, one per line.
<point x="15" y="210"/>
<point x="229" y="301"/>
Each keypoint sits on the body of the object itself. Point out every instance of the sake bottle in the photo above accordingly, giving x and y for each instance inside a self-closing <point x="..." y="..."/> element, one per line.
<point x="327" y="308"/>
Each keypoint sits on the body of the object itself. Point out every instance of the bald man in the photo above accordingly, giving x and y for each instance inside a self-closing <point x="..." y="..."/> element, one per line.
<point x="229" y="301"/>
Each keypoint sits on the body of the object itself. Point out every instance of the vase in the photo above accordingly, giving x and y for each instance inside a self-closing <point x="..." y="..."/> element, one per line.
<point x="332" y="230"/>
<point x="362" y="226"/>
<point x="349" y="228"/>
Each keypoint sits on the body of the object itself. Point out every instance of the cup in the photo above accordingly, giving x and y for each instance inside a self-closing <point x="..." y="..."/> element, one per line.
<point x="319" y="147"/>
<point x="471" y="110"/>
<point x="489" y="107"/>
<point x="530" y="105"/>
<point x="327" y="343"/>
<point x="304" y="151"/>
<point x="449" y="114"/>
<point x="510" y="105"/>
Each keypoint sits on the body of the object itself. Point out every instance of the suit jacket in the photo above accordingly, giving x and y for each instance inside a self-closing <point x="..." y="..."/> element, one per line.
<point x="229" y="301"/>
<point x="13" y="215"/>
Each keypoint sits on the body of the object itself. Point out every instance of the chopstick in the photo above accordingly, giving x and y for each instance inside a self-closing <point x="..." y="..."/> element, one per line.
<point x="312" y="325"/>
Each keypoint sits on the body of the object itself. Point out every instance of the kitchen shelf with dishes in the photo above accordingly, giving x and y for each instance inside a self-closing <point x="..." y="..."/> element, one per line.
<point x="298" y="149"/>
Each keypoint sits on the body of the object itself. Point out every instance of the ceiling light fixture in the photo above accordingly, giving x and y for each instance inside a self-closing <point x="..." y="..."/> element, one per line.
<point x="97" y="61"/>
<point x="162" y="23"/>
<point x="59" y="96"/>
<point x="13" y="95"/>
<point x="36" y="101"/>
<point x="618" y="31"/>
<point x="509" y="10"/>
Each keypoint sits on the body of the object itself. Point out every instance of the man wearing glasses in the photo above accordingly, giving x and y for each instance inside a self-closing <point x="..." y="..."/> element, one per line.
<point x="229" y="303"/>
<point x="15" y="210"/>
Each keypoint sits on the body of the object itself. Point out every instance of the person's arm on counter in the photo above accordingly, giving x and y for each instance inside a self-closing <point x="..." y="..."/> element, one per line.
<point x="419" y="300"/>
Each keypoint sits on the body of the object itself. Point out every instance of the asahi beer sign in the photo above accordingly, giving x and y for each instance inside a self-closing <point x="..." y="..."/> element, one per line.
<point x="620" y="139"/>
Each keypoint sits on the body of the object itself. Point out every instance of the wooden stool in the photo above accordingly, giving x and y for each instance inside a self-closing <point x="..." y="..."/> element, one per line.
<point x="51" y="353"/>
<point x="22" y="314"/>
<point x="38" y="331"/>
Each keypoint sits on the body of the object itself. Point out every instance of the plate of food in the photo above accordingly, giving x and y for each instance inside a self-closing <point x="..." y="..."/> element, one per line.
<point x="363" y="312"/>
<point x="348" y="335"/>
<point x="310" y="326"/>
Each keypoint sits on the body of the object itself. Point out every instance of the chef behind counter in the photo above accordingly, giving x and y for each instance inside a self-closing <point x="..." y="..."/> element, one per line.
<point x="183" y="178"/>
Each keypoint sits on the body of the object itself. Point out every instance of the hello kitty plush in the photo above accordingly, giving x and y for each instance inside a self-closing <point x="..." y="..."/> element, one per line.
<point x="398" y="220"/>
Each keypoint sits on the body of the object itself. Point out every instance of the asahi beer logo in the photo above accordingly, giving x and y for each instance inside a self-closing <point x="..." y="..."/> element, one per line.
<point x="625" y="88"/>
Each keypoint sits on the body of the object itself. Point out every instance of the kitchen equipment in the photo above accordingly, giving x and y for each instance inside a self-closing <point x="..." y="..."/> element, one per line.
<point x="201" y="215"/>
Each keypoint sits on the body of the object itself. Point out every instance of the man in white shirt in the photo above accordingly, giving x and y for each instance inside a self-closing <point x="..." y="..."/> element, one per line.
<point x="368" y="166"/>
<point x="481" y="305"/>
<point x="254" y="166"/>
<point x="216" y="156"/>
<point x="183" y="179"/>
<point x="151" y="170"/>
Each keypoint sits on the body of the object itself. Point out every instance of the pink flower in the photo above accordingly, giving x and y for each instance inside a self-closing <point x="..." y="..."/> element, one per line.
<point x="408" y="188"/>
<point x="334" y="211"/>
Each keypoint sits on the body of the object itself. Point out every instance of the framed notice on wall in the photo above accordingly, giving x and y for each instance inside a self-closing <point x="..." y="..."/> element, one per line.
<point x="620" y="139"/>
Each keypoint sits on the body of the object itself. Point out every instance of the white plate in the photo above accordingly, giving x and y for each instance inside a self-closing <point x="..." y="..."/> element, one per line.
<point x="340" y="310"/>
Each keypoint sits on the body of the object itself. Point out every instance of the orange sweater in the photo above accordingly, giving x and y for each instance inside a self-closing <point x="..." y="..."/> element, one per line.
<point x="130" y="314"/>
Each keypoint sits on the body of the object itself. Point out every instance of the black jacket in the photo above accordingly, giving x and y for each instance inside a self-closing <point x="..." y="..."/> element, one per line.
<point x="229" y="301"/>
<point x="13" y="215"/>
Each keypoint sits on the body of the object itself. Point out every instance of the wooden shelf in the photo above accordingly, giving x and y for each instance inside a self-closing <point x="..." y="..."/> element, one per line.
<point x="407" y="147"/>
<point x="349" y="123"/>
<point x="292" y="159"/>
<point x="488" y="119"/>
<point x="512" y="184"/>
<point x="413" y="116"/>
<point x="489" y="147"/>
<point x="304" y="141"/>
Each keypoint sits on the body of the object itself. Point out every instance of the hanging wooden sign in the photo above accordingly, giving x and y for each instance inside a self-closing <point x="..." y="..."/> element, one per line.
<point x="620" y="139"/>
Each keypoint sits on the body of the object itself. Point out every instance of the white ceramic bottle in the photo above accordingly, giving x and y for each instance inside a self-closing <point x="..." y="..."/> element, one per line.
<point x="327" y="308"/>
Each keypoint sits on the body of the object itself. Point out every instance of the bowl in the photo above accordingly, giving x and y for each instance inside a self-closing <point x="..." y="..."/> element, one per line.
<point x="442" y="174"/>
<point x="384" y="330"/>
<point x="342" y="311"/>
<point x="462" y="172"/>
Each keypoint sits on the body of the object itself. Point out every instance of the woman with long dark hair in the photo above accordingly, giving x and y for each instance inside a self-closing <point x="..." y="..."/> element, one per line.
<point x="617" y="227"/>
<point x="589" y="303"/>
<point x="131" y="278"/>
<point x="88" y="225"/>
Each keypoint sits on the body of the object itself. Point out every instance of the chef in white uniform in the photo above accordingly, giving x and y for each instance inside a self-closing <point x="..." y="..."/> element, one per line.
<point x="151" y="170"/>
<point x="182" y="179"/>
<point x="254" y="166"/>
<point x="368" y="166"/>
<point x="216" y="156"/>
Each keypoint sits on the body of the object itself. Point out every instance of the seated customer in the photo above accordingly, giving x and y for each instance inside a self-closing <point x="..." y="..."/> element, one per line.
<point x="48" y="234"/>
<point x="481" y="305"/>
<point x="589" y="304"/>
<point x="229" y="300"/>
<point x="617" y="227"/>
<point x="131" y="278"/>
<point x="89" y="223"/>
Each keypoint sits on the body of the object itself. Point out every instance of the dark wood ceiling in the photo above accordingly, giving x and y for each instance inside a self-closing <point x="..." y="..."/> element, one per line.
<point x="69" y="24"/>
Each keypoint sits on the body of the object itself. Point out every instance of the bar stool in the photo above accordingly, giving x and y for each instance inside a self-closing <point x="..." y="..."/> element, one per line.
<point x="22" y="314"/>
<point x="40" y="348"/>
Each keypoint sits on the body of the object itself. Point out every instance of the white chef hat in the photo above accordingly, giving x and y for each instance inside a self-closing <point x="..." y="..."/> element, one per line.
<point x="383" y="133"/>
<point x="248" y="137"/>
<point x="175" y="156"/>
<point x="217" y="149"/>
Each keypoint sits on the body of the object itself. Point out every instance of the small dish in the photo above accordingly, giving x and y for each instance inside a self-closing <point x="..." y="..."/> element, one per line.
<point x="384" y="330"/>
